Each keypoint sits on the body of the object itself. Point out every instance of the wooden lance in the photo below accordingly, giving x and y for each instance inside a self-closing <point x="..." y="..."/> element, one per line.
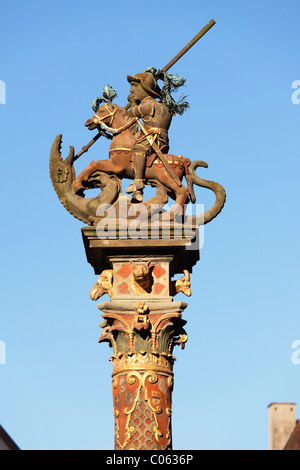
<point x="167" y="67"/>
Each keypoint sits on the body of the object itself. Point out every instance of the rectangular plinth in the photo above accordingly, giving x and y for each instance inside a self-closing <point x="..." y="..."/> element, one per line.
<point x="185" y="250"/>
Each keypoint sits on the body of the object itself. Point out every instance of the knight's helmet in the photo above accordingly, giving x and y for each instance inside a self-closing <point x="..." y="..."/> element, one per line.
<point x="147" y="82"/>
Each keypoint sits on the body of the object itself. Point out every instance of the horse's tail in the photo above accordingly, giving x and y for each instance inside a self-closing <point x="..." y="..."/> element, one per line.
<point x="215" y="187"/>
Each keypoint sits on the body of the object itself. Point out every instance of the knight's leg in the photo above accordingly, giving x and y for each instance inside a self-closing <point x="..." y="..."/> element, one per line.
<point x="139" y="163"/>
<point x="139" y="170"/>
<point x="138" y="184"/>
<point x="142" y="151"/>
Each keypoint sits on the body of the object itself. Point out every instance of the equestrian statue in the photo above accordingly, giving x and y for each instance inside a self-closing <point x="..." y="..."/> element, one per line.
<point x="138" y="152"/>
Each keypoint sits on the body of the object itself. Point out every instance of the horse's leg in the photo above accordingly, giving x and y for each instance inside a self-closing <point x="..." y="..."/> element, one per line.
<point x="161" y="198"/>
<point x="106" y="166"/>
<point x="181" y="192"/>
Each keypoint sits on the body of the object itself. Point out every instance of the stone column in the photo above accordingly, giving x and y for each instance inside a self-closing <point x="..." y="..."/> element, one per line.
<point x="142" y="324"/>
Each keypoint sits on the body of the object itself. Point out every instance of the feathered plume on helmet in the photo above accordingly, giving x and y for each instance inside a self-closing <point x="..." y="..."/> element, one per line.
<point x="171" y="84"/>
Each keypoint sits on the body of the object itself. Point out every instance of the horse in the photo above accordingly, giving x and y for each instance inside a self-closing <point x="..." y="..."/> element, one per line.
<point x="124" y="129"/>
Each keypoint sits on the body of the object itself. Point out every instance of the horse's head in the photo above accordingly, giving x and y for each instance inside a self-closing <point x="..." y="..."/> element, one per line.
<point x="104" y="114"/>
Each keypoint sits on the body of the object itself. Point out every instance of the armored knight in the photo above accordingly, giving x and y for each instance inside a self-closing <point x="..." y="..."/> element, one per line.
<point x="156" y="118"/>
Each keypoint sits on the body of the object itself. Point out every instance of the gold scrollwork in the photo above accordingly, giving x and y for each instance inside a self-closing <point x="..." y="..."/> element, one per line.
<point x="157" y="433"/>
<point x="117" y="427"/>
<point x="152" y="378"/>
<point x="114" y="382"/>
<point x="170" y="382"/>
<point x="131" y="379"/>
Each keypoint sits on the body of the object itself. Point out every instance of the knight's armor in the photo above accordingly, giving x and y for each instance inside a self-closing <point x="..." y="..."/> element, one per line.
<point x="156" y="120"/>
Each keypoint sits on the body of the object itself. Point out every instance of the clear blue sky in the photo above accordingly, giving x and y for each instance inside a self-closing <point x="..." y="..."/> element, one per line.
<point x="55" y="388"/>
